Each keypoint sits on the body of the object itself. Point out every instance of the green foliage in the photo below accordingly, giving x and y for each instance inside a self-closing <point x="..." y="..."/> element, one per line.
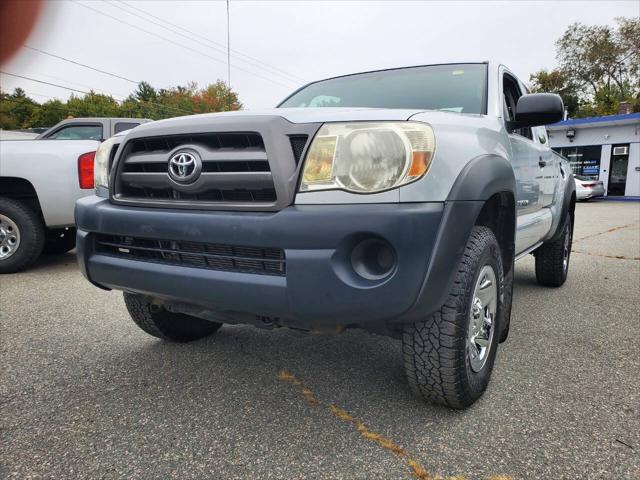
<point x="599" y="67"/>
<point x="19" y="111"/>
<point x="16" y="109"/>
<point x="560" y="82"/>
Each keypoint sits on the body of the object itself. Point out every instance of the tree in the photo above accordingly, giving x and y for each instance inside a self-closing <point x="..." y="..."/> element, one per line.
<point x="178" y="100"/>
<point x="557" y="81"/>
<point x="217" y="97"/>
<point x="603" y="63"/>
<point x="145" y="93"/>
<point x="19" y="111"/>
<point x="16" y="109"/>
<point x="49" y="113"/>
<point x="93" y="105"/>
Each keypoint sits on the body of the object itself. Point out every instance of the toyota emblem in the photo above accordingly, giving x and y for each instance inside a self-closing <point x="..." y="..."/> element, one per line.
<point x="184" y="167"/>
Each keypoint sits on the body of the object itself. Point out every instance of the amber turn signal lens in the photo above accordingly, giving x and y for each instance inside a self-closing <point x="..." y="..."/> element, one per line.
<point x="419" y="164"/>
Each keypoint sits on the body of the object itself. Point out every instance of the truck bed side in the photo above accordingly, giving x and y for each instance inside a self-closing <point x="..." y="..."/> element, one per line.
<point x="51" y="167"/>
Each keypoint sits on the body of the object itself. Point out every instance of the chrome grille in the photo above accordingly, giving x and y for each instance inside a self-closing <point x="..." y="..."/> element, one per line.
<point x="233" y="258"/>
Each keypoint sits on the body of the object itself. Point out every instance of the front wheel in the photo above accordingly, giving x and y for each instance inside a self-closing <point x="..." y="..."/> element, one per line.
<point x="552" y="258"/>
<point x="449" y="356"/>
<point x="161" y="323"/>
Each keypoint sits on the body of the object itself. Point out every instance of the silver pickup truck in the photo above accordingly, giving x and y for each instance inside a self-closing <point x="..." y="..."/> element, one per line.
<point x="90" y="128"/>
<point x="395" y="201"/>
<point x="40" y="181"/>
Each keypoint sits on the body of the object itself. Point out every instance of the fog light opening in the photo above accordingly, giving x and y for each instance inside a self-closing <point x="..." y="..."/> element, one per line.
<point x="373" y="259"/>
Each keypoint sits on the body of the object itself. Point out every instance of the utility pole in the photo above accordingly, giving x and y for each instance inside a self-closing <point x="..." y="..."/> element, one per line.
<point x="228" y="61"/>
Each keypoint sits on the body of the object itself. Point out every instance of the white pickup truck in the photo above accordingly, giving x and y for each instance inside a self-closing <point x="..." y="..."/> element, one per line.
<point x="40" y="181"/>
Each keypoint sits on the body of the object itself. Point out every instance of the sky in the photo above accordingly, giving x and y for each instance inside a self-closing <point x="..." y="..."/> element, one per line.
<point x="277" y="46"/>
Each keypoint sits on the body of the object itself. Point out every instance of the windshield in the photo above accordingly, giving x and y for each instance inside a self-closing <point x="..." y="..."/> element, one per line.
<point x="455" y="88"/>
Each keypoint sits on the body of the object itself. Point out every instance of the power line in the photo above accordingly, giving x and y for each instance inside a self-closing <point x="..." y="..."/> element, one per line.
<point x="77" y="84"/>
<point x="251" y="60"/>
<point x="176" y="43"/>
<point x="175" y="109"/>
<point x="80" y="64"/>
<point x="46" y="83"/>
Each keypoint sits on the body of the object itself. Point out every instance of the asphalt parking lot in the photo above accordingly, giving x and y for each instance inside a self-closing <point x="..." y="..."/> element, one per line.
<point x="85" y="394"/>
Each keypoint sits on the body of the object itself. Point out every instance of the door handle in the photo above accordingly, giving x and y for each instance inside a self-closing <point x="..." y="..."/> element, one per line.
<point x="542" y="162"/>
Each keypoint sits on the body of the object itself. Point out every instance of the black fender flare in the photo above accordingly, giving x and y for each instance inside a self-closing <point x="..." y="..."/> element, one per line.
<point x="483" y="177"/>
<point x="479" y="180"/>
<point x="567" y="206"/>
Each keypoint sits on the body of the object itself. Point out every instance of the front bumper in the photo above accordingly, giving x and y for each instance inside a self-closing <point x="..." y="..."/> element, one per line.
<point x="320" y="289"/>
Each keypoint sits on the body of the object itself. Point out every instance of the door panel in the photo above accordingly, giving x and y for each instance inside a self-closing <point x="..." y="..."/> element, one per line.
<point x="532" y="227"/>
<point x="527" y="185"/>
<point x="529" y="156"/>
<point x="548" y="169"/>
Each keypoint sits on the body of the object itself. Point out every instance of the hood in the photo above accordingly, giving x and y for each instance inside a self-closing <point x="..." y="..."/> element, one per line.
<point x="293" y="115"/>
<point x="297" y="119"/>
<point x="332" y="114"/>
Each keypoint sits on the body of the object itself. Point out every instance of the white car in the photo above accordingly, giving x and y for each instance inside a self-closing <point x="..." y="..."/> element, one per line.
<point x="587" y="188"/>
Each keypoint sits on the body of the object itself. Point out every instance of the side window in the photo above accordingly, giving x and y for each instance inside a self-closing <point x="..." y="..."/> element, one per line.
<point x="78" y="132"/>
<point x="122" y="126"/>
<point x="510" y="94"/>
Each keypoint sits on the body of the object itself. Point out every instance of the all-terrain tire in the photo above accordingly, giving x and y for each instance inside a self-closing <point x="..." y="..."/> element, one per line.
<point x="31" y="235"/>
<point x="436" y="350"/>
<point x="59" y="241"/>
<point x="157" y="321"/>
<point x="552" y="258"/>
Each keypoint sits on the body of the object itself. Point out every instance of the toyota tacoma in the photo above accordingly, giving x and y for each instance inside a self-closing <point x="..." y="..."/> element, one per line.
<point x="395" y="201"/>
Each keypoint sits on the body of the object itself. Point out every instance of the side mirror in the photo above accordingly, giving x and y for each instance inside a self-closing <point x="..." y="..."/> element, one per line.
<point x="536" y="109"/>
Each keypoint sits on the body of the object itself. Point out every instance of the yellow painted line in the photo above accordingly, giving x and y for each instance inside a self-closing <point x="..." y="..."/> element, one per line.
<point x="417" y="470"/>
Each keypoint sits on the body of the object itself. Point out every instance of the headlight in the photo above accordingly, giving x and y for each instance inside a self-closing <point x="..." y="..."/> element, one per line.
<point x="367" y="157"/>
<point x="101" y="166"/>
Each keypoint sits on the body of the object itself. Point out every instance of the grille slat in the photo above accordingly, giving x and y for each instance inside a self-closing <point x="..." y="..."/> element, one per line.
<point x="266" y="261"/>
<point x="223" y="180"/>
<point x="231" y="140"/>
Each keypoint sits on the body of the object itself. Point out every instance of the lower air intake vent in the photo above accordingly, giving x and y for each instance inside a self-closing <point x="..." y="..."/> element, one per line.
<point x="232" y="258"/>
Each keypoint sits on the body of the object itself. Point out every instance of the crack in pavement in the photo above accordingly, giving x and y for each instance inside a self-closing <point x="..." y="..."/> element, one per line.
<point x="576" y="240"/>
<point x="604" y="255"/>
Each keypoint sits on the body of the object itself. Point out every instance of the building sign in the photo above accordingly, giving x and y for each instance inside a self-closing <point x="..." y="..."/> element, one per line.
<point x="585" y="161"/>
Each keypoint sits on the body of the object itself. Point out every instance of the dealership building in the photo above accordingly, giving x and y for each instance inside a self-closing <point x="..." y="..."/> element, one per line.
<point x="602" y="148"/>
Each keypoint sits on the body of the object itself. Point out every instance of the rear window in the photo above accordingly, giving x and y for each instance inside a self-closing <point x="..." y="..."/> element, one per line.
<point x="78" y="132"/>
<point x="122" y="126"/>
